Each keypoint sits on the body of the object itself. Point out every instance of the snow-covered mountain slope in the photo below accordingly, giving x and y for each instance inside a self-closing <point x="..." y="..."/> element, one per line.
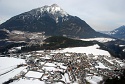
<point x="118" y="33"/>
<point x="54" y="11"/>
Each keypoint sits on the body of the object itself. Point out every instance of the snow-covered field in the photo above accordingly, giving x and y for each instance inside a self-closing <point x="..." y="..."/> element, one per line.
<point x="45" y="70"/>
<point x="102" y="40"/>
<point x="25" y="81"/>
<point x="88" y="50"/>
<point x="7" y="64"/>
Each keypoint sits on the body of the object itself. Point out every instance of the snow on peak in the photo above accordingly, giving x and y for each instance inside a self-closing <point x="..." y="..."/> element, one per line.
<point x="54" y="10"/>
<point x="112" y="32"/>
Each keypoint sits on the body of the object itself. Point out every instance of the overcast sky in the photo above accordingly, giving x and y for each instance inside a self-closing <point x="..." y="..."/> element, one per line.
<point x="99" y="14"/>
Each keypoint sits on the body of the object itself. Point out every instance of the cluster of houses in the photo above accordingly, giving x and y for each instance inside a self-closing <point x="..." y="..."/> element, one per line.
<point x="68" y="67"/>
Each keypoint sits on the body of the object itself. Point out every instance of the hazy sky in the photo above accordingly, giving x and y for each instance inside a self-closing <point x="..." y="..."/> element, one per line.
<point x="99" y="14"/>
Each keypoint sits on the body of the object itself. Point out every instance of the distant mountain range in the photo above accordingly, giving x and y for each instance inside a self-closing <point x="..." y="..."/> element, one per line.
<point x="52" y="20"/>
<point x="118" y="32"/>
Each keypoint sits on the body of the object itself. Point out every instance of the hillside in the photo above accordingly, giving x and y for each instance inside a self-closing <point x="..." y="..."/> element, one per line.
<point x="118" y="32"/>
<point x="56" y="42"/>
<point x="3" y="34"/>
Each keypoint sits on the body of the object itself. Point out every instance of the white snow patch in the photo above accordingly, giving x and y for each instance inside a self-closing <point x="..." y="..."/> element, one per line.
<point x="123" y="50"/>
<point x="40" y="51"/>
<point x="28" y="55"/>
<point x="25" y="81"/>
<point x="100" y="65"/>
<point x="63" y="67"/>
<point x="110" y="61"/>
<point x="19" y="48"/>
<point x="11" y="74"/>
<point x="88" y="50"/>
<point x="51" y="69"/>
<point x="46" y="57"/>
<point x="53" y="9"/>
<point x="122" y="64"/>
<point x="94" y="79"/>
<point x="67" y="78"/>
<point x="50" y="64"/>
<point x="34" y="74"/>
<point x="121" y="45"/>
<point x="7" y="64"/>
<point x="103" y="40"/>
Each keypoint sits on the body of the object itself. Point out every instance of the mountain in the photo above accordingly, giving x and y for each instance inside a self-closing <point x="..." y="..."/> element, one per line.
<point x="118" y="33"/>
<point x="52" y="20"/>
<point x="117" y="47"/>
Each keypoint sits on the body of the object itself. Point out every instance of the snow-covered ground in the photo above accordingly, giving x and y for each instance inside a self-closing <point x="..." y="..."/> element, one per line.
<point x="121" y="45"/>
<point x="123" y="50"/>
<point x="46" y="70"/>
<point x="100" y="65"/>
<point x="7" y="64"/>
<point x="94" y="79"/>
<point x="88" y="50"/>
<point x="102" y="40"/>
<point x="33" y="74"/>
<point x="25" y="81"/>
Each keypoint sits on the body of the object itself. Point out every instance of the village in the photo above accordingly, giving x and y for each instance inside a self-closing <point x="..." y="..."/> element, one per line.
<point x="53" y="67"/>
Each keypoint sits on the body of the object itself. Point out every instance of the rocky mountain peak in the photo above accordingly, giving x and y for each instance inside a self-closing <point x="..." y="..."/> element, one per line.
<point x="54" y="9"/>
<point x="54" y="5"/>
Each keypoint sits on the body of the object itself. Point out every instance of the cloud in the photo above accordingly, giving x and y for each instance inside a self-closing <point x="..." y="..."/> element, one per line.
<point x="99" y="14"/>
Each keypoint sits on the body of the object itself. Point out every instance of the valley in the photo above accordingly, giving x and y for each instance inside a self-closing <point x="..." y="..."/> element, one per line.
<point x="61" y="66"/>
<point x="46" y="45"/>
